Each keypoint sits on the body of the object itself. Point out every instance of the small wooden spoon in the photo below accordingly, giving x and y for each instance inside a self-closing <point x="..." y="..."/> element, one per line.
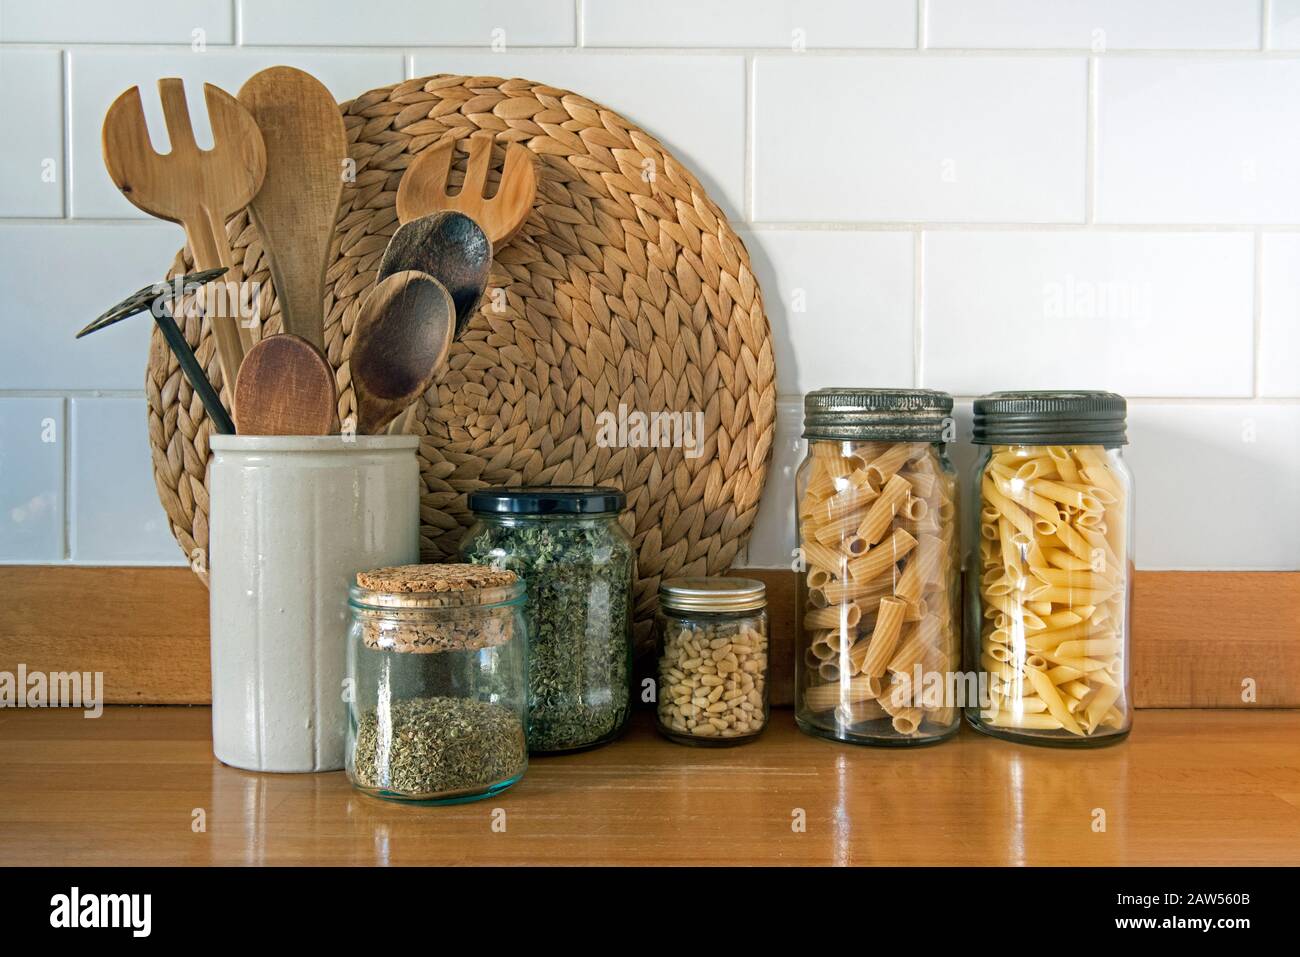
<point x="451" y="248"/>
<point x="285" y="387"/>
<point x="402" y="336"/>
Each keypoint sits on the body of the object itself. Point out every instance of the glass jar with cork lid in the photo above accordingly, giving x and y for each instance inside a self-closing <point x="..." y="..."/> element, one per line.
<point x="713" y="660"/>
<point x="437" y="668"/>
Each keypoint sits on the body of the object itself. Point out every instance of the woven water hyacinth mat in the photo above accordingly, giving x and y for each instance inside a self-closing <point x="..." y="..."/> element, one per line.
<point x="625" y="294"/>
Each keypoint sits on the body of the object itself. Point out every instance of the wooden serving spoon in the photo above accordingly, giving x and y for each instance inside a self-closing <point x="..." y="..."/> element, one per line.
<point x="306" y="146"/>
<point x="451" y="248"/>
<point x="285" y="387"/>
<point x="402" y="336"/>
<point x="200" y="189"/>
<point x="424" y="187"/>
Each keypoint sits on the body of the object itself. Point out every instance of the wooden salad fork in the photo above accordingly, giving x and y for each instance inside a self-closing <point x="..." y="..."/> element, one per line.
<point x="199" y="189"/>
<point x="423" y="188"/>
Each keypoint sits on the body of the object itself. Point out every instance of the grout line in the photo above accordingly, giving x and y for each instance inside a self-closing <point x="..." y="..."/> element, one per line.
<point x="751" y="160"/>
<point x="543" y="49"/>
<point x="922" y="23"/>
<point x="1090" y="138"/>
<point x="1265" y="24"/>
<point x="1257" y="315"/>
<point x="237" y="21"/>
<point x="408" y="66"/>
<point x="1246" y="401"/>
<point x="66" y="101"/>
<point x="918" y="309"/>
<point x="72" y="394"/>
<point x="65" y="406"/>
<point x="579" y="34"/>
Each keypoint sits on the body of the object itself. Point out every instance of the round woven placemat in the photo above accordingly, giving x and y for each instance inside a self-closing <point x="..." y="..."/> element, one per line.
<point x="626" y="286"/>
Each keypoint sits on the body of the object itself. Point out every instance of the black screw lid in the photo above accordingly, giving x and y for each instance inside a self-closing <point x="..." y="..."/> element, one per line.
<point x="892" y="415"/>
<point x="547" y="500"/>
<point x="1041" y="418"/>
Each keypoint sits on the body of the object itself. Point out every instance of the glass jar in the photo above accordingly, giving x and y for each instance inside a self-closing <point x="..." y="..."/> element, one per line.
<point x="879" y="624"/>
<point x="1051" y="572"/>
<point x="713" y="654"/>
<point x="437" y="658"/>
<point x="578" y="565"/>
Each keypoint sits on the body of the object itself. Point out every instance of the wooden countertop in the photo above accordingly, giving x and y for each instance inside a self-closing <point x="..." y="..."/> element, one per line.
<point x="1188" y="787"/>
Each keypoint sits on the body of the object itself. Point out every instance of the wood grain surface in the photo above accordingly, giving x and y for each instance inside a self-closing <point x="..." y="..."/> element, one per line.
<point x="1197" y="635"/>
<point x="1209" y="787"/>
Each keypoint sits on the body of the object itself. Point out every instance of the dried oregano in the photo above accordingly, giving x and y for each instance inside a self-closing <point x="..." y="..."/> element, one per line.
<point x="578" y="574"/>
<point x="438" y="746"/>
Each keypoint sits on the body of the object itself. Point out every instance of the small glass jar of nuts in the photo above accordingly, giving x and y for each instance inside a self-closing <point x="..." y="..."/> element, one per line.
<point x="713" y="650"/>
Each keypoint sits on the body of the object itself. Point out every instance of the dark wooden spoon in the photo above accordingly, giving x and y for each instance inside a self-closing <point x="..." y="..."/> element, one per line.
<point x="285" y="387"/>
<point x="401" y="339"/>
<point x="448" y="246"/>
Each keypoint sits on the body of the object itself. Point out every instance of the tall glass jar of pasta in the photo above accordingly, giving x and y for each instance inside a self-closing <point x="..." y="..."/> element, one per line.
<point x="879" y="636"/>
<point x="1051" y="573"/>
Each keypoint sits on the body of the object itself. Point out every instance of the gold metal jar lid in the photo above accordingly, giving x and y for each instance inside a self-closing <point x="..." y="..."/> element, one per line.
<point x="712" y="594"/>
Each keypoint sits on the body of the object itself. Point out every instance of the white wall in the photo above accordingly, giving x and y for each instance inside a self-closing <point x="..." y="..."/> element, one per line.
<point x="965" y="194"/>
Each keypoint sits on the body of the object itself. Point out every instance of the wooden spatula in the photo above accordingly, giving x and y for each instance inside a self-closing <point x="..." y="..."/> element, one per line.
<point x="448" y="246"/>
<point x="200" y="189"/>
<point x="424" y="187"/>
<point x="402" y="335"/>
<point x="306" y="145"/>
<point x="285" y="387"/>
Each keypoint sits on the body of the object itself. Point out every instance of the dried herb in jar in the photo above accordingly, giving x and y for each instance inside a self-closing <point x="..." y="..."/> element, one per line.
<point x="438" y="746"/>
<point x="578" y="575"/>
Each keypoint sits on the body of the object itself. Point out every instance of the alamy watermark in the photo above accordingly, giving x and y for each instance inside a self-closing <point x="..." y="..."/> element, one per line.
<point x="654" y="430"/>
<point x="53" y="689"/>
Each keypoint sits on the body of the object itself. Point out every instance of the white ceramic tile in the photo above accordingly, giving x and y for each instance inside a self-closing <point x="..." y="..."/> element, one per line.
<point x="31" y="480"/>
<point x="115" y="515"/>
<point x="840" y="304"/>
<point x="694" y="105"/>
<point x="31" y="163"/>
<point x="1279" y="335"/>
<point x="772" y="542"/>
<point x="789" y="24"/>
<point x="1096" y="25"/>
<point x="121" y="21"/>
<point x="985" y="139"/>
<point x="1143" y="314"/>
<point x="56" y="278"/>
<point x="1284" y="25"/>
<point x="1246" y="458"/>
<point x="1198" y="141"/>
<point x="403" y="22"/>
<point x="99" y="76"/>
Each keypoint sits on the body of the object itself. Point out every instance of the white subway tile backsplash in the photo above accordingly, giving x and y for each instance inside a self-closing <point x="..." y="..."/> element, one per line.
<point x="115" y="516"/>
<point x="1143" y="314"/>
<point x="32" y="441"/>
<point x="56" y="278"/>
<point x="31" y="163"/>
<point x="1198" y="141"/>
<point x="840" y="305"/>
<point x="1279" y="334"/>
<point x="122" y="21"/>
<point x="789" y="24"/>
<point x="1252" y="488"/>
<point x="99" y="76"/>
<point x="484" y="23"/>
<point x="771" y="544"/>
<point x="1094" y="25"/>
<point x="1284" y="25"/>
<point x="695" y="105"/>
<point x="987" y="139"/>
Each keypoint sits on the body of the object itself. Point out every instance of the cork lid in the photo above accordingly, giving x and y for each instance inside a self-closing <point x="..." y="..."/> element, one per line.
<point x="435" y="586"/>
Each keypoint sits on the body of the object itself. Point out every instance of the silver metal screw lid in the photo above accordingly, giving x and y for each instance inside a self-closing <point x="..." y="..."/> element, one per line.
<point x="712" y="594"/>
<point x="891" y="415"/>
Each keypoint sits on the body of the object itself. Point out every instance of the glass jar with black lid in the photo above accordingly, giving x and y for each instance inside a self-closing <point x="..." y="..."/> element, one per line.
<point x="1051" y="572"/>
<point x="879" y="635"/>
<point x="578" y="566"/>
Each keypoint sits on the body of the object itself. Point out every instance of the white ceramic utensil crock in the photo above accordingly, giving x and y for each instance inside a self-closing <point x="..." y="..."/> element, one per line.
<point x="293" y="519"/>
